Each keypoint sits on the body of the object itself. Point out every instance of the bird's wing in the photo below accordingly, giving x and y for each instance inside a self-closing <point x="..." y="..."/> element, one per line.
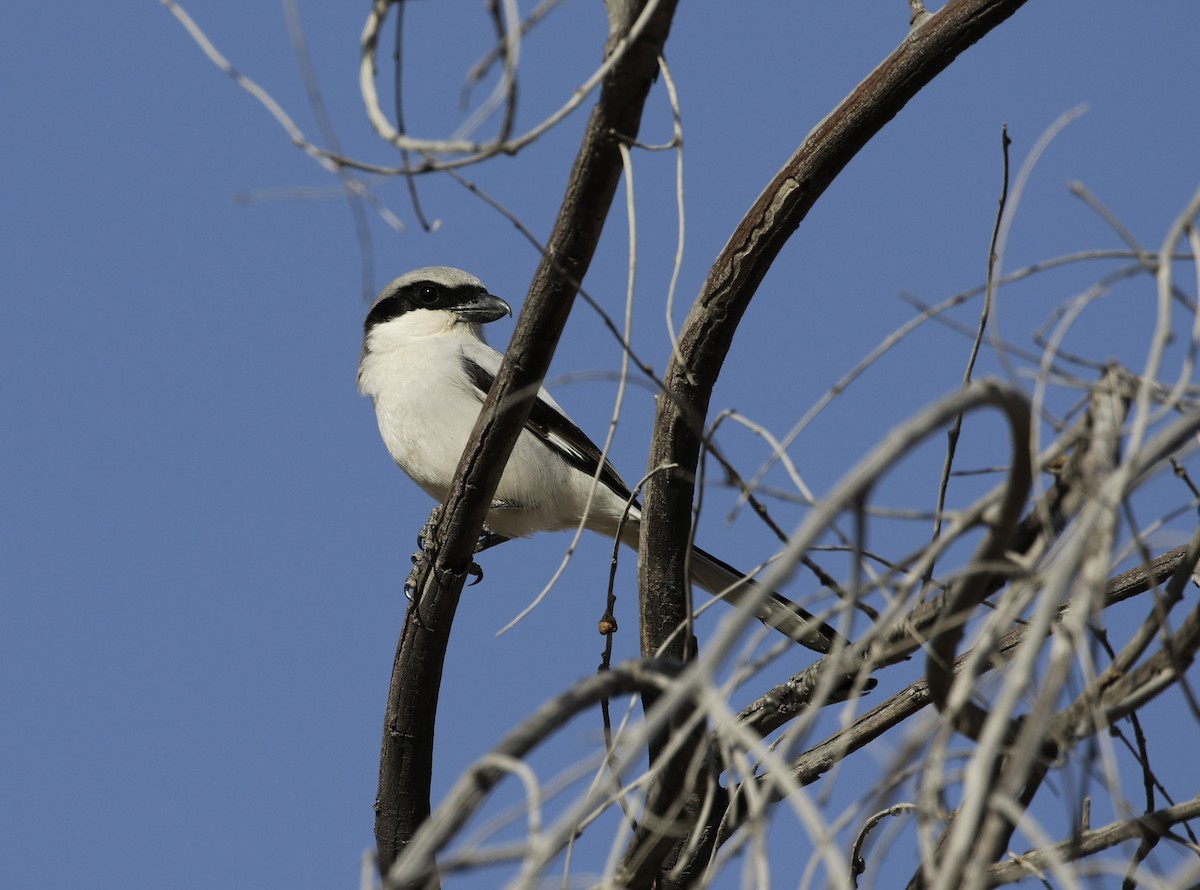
<point x="551" y="425"/>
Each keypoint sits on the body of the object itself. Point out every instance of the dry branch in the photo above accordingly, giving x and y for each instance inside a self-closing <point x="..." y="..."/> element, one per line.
<point x="406" y="756"/>
<point x="418" y="865"/>
<point x="1088" y="843"/>
<point x="714" y="780"/>
<point x="708" y="331"/>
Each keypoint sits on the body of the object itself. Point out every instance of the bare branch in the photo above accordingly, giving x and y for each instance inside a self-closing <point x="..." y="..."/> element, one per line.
<point x="406" y="757"/>
<point x="473" y="786"/>
<point x="1088" y="843"/>
<point x="735" y="276"/>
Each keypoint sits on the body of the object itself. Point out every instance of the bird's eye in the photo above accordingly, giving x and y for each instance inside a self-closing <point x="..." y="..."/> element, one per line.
<point x="427" y="294"/>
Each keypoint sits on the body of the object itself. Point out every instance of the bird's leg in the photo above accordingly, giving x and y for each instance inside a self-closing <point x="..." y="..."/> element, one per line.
<point x="425" y="535"/>
<point x="487" y="540"/>
<point x="424" y="548"/>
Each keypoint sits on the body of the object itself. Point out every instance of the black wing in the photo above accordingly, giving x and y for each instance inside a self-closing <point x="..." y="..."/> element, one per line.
<point x="556" y="430"/>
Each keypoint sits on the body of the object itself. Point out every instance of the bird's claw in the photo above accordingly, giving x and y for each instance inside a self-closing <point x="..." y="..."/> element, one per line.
<point x="410" y="589"/>
<point x="425" y="535"/>
<point x="488" y="538"/>
<point x="474" y="573"/>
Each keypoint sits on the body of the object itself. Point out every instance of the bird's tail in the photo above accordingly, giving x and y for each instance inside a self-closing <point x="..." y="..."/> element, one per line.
<point x="721" y="579"/>
<point x="724" y="581"/>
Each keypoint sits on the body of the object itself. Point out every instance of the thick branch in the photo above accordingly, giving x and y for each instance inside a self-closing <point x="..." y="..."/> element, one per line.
<point x="407" y="752"/>
<point x="735" y="276"/>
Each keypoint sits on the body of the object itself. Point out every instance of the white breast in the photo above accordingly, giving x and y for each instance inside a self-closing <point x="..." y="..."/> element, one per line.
<point x="426" y="407"/>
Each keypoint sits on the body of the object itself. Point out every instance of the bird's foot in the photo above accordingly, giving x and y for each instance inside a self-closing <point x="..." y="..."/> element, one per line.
<point x="424" y="551"/>
<point x="488" y="538"/>
<point x="425" y="535"/>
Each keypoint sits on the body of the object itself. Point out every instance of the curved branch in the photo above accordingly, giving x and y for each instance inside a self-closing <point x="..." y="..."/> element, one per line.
<point x="708" y="331"/>
<point x="476" y="783"/>
<point x="781" y="703"/>
<point x="406" y="756"/>
<point x="1121" y="688"/>
<point x="970" y="591"/>
<point x="857" y="484"/>
<point x="630" y="33"/>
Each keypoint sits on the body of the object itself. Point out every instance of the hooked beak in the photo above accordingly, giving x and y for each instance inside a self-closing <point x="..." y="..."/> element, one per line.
<point x="482" y="309"/>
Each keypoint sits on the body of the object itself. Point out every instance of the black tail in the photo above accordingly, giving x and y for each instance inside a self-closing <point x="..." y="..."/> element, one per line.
<point x="721" y="579"/>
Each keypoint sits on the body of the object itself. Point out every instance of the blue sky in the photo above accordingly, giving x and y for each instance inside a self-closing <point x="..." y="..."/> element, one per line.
<point x="203" y="539"/>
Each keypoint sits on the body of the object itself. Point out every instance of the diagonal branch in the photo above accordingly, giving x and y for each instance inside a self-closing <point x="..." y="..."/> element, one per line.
<point x="406" y="756"/>
<point x="1088" y="843"/>
<point x="773" y="709"/>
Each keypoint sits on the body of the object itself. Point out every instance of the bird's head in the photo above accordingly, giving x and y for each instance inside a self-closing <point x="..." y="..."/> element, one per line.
<point x="435" y="295"/>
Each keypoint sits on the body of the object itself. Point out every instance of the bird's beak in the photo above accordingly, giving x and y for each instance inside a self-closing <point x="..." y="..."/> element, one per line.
<point x="483" y="309"/>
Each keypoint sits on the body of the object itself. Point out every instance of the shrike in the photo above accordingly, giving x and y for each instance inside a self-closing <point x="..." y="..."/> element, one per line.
<point x="427" y="369"/>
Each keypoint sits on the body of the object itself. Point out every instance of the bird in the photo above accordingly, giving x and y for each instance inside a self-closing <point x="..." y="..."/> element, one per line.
<point x="427" y="368"/>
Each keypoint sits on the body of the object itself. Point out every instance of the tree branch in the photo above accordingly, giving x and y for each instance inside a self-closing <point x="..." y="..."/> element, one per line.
<point x="1089" y="843"/>
<point x="772" y="710"/>
<point x="734" y="278"/>
<point x="474" y="785"/>
<point x="406" y="756"/>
